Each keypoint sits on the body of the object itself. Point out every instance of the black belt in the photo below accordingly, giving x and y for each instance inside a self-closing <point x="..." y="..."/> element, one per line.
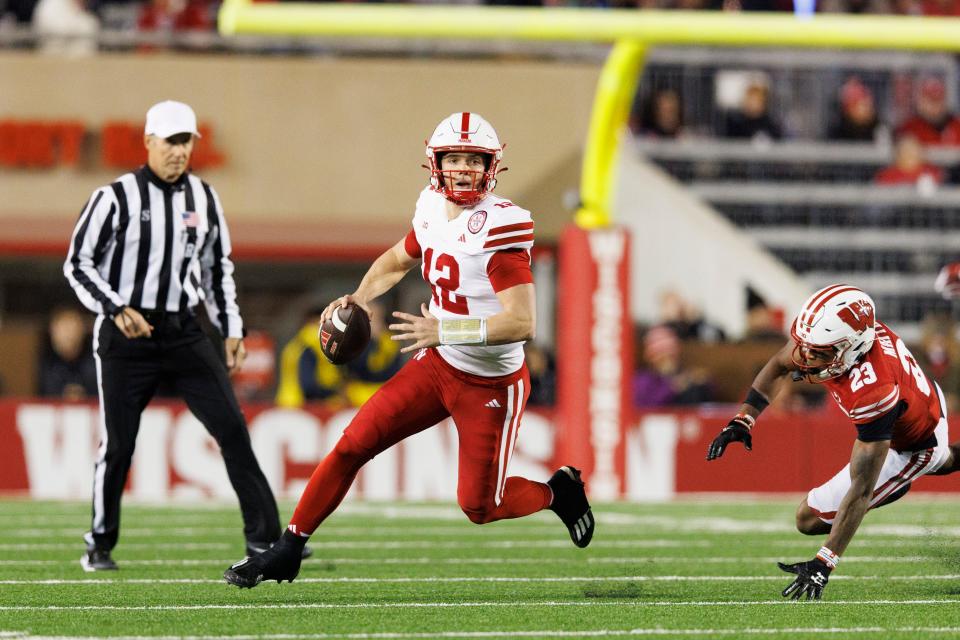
<point x="929" y="443"/>
<point x="159" y="317"/>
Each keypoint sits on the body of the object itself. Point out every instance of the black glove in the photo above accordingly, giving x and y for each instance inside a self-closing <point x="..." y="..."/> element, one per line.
<point x="738" y="430"/>
<point x="811" y="578"/>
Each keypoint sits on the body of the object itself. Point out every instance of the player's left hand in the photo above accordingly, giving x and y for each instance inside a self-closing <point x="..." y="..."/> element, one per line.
<point x="737" y="430"/>
<point x="811" y="578"/>
<point x="424" y="329"/>
<point x="236" y="353"/>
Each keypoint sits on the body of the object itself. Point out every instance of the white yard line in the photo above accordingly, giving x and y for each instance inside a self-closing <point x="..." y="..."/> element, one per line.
<point x="592" y="633"/>
<point x="175" y="528"/>
<point x="705" y="522"/>
<point x="473" y="579"/>
<point x="78" y="546"/>
<point x="426" y="560"/>
<point x="622" y="525"/>
<point x="454" y="605"/>
<point x="382" y="544"/>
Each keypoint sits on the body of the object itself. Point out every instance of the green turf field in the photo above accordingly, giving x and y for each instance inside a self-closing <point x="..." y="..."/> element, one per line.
<point x="687" y="569"/>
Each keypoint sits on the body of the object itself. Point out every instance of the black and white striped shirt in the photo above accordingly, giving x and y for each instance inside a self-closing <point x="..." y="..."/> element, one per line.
<point x="154" y="245"/>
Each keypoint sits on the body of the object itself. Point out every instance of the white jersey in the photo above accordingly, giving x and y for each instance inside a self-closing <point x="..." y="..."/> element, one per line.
<point x="456" y="256"/>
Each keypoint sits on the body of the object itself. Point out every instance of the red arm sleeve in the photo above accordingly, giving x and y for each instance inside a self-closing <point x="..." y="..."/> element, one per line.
<point x="411" y="245"/>
<point x="509" y="268"/>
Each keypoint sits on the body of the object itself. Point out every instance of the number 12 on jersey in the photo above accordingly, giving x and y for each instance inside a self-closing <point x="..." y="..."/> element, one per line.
<point x="447" y="280"/>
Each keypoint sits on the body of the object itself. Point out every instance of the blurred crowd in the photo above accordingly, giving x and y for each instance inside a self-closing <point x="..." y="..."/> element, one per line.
<point x="290" y="373"/>
<point x="680" y="360"/>
<point x="930" y="123"/>
<point x="71" y="26"/>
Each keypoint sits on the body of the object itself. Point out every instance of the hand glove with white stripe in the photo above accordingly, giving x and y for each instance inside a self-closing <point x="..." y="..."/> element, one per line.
<point x="812" y="577"/>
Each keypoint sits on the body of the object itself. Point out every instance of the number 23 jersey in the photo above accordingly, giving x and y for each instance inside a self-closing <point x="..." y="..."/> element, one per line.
<point x="887" y="395"/>
<point x="466" y="261"/>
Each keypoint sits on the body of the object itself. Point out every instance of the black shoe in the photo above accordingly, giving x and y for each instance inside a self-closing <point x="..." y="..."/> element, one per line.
<point x="97" y="560"/>
<point x="280" y="562"/>
<point x="570" y="503"/>
<point x="256" y="548"/>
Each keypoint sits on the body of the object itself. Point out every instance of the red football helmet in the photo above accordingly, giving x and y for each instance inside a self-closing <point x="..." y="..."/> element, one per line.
<point x="468" y="133"/>
<point x="835" y="327"/>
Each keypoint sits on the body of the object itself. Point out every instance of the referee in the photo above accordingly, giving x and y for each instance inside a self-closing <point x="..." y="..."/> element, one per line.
<point x="146" y="250"/>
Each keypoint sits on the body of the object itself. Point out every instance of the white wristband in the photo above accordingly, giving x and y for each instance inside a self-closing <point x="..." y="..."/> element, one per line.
<point x="828" y="557"/>
<point x="463" y="331"/>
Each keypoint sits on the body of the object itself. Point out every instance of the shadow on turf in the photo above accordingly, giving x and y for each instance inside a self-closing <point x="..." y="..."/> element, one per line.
<point x="949" y="555"/>
<point x="620" y="591"/>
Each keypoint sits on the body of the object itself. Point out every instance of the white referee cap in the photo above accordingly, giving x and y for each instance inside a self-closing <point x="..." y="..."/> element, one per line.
<point x="168" y="118"/>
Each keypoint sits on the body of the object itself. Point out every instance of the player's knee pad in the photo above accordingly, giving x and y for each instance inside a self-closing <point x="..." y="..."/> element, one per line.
<point x="478" y="510"/>
<point x="478" y="516"/>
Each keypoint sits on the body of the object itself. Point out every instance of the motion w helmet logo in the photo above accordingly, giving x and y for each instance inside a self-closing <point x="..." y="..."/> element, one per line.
<point x="857" y="315"/>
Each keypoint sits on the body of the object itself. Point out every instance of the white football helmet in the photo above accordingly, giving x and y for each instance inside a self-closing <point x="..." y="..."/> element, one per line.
<point x="464" y="132"/>
<point x="835" y="327"/>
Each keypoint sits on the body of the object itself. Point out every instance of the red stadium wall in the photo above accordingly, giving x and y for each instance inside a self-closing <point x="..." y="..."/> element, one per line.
<point x="49" y="448"/>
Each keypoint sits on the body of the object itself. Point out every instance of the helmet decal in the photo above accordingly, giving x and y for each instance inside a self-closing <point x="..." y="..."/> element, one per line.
<point x="858" y="315"/>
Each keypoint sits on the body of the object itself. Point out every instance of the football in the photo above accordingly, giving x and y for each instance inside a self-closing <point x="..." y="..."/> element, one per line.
<point x="345" y="334"/>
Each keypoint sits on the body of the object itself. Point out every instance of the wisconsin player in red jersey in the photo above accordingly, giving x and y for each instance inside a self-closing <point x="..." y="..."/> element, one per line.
<point x="474" y="251"/>
<point x="899" y="413"/>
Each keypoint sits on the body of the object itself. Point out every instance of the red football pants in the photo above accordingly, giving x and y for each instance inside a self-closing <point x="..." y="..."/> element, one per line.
<point x="487" y="413"/>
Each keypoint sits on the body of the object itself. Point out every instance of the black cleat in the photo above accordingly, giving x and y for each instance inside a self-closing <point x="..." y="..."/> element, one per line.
<point x="570" y="503"/>
<point x="256" y="548"/>
<point x="280" y="562"/>
<point x="97" y="560"/>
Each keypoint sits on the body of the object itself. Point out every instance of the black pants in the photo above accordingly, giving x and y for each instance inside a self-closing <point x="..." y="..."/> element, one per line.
<point x="130" y="370"/>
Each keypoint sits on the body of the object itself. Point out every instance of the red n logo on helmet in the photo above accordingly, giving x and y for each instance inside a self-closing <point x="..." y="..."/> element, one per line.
<point x="857" y="315"/>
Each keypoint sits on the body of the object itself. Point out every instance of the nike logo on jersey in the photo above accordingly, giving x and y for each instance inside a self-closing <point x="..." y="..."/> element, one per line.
<point x="493" y="404"/>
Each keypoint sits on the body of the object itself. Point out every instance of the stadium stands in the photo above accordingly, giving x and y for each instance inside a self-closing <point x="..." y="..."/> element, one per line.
<point x="816" y="204"/>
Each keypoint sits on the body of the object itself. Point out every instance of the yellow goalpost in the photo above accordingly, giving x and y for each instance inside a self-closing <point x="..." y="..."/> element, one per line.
<point x="630" y="31"/>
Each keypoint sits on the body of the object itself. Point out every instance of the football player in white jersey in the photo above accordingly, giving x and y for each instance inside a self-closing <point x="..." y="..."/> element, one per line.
<point x="473" y="249"/>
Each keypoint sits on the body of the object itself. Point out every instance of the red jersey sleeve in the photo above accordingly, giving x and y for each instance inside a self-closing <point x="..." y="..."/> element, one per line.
<point x="411" y="245"/>
<point x="870" y="406"/>
<point x="509" y="268"/>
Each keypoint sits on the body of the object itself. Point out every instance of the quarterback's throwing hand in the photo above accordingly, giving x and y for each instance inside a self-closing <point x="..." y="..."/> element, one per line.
<point x="343" y="301"/>
<point x="737" y="430"/>
<point x="424" y="329"/>
<point x="811" y="578"/>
